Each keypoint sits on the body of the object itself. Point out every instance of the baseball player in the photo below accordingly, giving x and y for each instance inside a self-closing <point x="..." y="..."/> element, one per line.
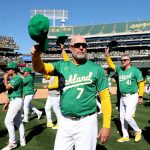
<point x="80" y="80"/>
<point x="53" y="100"/>
<point x="28" y="92"/>
<point x="13" y="116"/>
<point x="147" y="87"/>
<point x="130" y="81"/>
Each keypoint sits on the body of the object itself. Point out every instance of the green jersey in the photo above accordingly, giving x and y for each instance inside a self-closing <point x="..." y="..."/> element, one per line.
<point x="17" y="87"/>
<point x="129" y="79"/>
<point x="148" y="79"/>
<point x="79" y="85"/>
<point x="28" y="85"/>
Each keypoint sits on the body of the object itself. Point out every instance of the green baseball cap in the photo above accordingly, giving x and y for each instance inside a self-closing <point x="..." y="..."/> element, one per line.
<point x="27" y="69"/>
<point x="12" y="65"/>
<point x="61" y="37"/>
<point x="38" y="28"/>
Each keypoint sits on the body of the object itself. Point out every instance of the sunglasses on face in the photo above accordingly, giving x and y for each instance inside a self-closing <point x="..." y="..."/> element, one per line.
<point x="77" y="45"/>
<point x="124" y="60"/>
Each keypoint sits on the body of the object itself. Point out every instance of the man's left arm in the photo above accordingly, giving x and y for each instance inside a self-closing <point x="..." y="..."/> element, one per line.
<point x="65" y="56"/>
<point x="140" y="92"/>
<point x="104" y="133"/>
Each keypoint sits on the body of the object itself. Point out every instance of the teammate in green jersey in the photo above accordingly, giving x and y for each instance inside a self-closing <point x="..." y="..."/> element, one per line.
<point x="147" y="88"/>
<point x="28" y="92"/>
<point x="13" y="116"/>
<point x="80" y="81"/>
<point x="131" y="86"/>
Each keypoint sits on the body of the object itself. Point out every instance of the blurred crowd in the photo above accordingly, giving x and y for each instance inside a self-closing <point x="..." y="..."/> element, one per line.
<point x="8" y="42"/>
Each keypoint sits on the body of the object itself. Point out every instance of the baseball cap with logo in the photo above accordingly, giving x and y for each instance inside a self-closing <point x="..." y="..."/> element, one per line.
<point x="12" y="65"/>
<point x="38" y="28"/>
<point x="27" y="69"/>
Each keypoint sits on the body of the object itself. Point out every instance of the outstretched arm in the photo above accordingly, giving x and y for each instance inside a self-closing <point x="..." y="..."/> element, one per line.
<point x="109" y="60"/>
<point x="38" y="64"/>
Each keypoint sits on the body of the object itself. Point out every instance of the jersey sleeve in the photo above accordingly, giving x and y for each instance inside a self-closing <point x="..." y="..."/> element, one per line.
<point x="57" y="66"/>
<point x="139" y="76"/>
<point x="41" y="67"/>
<point x="118" y="69"/>
<point x="102" y="80"/>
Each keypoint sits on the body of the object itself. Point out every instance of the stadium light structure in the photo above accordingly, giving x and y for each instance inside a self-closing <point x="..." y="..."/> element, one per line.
<point x="52" y="15"/>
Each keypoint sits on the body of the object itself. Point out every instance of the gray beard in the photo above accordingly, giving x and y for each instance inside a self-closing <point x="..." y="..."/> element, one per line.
<point x="79" y="57"/>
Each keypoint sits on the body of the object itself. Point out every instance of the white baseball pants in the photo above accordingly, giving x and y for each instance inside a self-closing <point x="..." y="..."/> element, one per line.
<point x="28" y="106"/>
<point x="13" y="117"/>
<point x="127" y="111"/>
<point x="52" y="102"/>
<point x="81" y="133"/>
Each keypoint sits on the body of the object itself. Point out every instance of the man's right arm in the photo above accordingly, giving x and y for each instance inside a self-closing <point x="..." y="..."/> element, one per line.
<point x="109" y="60"/>
<point x="38" y="64"/>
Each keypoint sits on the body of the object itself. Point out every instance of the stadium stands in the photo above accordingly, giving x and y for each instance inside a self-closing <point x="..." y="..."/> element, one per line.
<point x="133" y="38"/>
<point x="8" y="43"/>
<point x="125" y="27"/>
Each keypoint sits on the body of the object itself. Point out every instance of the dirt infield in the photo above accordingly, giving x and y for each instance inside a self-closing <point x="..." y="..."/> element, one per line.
<point x="41" y="93"/>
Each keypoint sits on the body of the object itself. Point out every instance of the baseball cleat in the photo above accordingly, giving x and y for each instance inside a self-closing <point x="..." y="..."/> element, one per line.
<point x="10" y="146"/>
<point x="22" y="143"/>
<point x="39" y="114"/>
<point x="123" y="139"/>
<point x="138" y="136"/>
<point x="25" y="120"/>
<point x="55" y="127"/>
<point x="49" y="124"/>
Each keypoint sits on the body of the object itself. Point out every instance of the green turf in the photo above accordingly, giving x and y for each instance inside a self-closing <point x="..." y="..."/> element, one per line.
<point x="40" y="138"/>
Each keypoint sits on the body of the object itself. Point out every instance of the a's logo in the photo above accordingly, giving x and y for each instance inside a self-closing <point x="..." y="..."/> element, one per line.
<point x="140" y="25"/>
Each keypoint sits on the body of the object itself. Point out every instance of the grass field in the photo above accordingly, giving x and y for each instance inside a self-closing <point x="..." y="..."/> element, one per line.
<point x="40" y="138"/>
